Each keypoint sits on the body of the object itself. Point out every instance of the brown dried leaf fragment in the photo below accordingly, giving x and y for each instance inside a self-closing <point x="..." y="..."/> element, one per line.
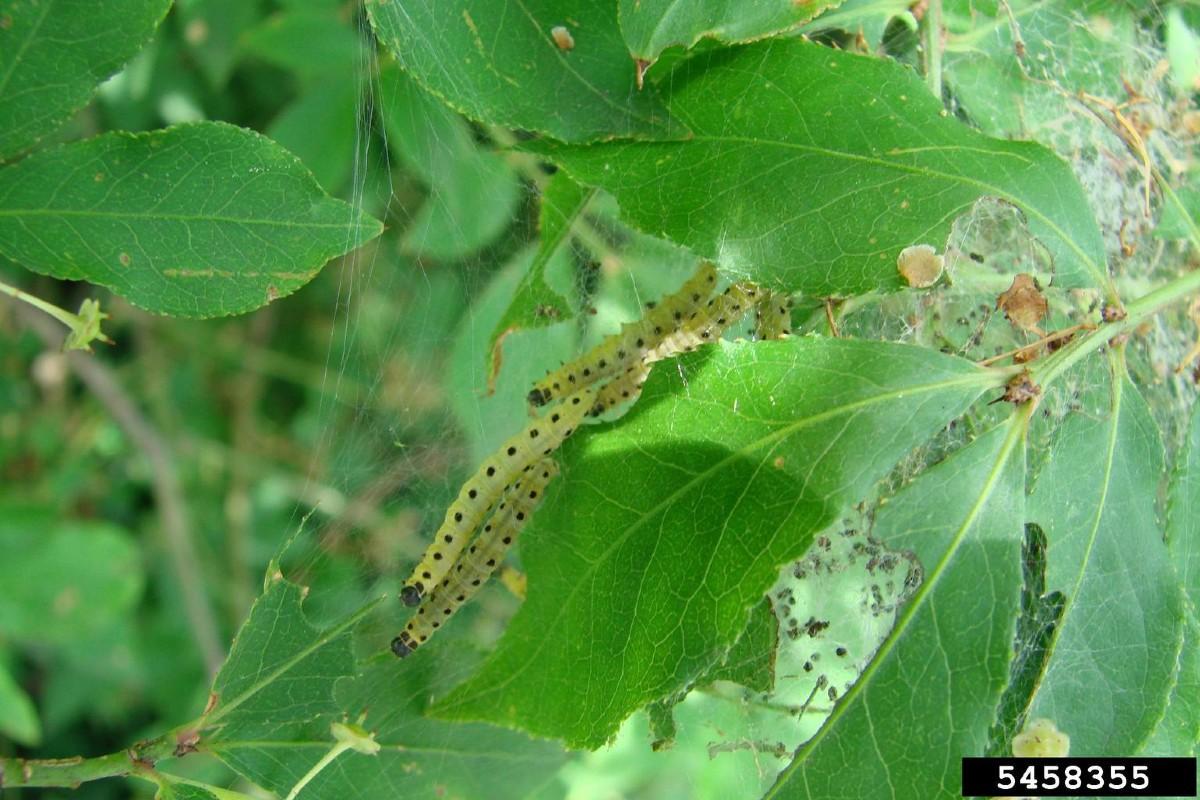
<point x="1023" y="303"/>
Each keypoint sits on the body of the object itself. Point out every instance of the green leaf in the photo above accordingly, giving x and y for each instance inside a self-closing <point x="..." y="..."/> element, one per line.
<point x="314" y="44"/>
<point x="473" y="193"/>
<point x="665" y="530"/>
<point x="792" y="139"/>
<point x="490" y="407"/>
<point x="320" y="128"/>
<point x="18" y="718"/>
<point x="1183" y="511"/>
<point x="63" y="580"/>
<point x="928" y="696"/>
<point x="197" y="220"/>
<point x="418" y="757"/>
<point x="1178" y="732"/>
<point x="651" y="26"/>
<point x="276" y="683"/>
<point x="1114" y="654"/>
<point x="751" y="660"/>
<point x="535" y="304"/>
<point x="497" y="62"/>
<point x="53" y="53"/>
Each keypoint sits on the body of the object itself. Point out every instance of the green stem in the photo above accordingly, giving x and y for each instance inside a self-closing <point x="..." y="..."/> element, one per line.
<point x="137" y="761"/>
<point x="933" y="47"/>
<point x="1136" y="312"/>
<point x="65" y="317"/>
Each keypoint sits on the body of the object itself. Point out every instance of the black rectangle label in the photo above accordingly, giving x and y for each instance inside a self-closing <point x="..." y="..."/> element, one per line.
<point x="1072" y="777"/>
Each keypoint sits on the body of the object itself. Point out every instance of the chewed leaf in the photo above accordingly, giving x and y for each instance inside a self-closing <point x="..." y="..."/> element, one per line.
<point x="930" y="692"/>
<point x="198" y="220"/>
<point x="793" y="140"/>
<point x="1115" y="651"/>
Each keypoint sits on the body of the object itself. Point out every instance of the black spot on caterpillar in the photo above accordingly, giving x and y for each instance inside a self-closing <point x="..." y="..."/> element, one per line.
<point x="521" y="500"/>
<point x="484" y="489"/>
<point x="623" y="350"/>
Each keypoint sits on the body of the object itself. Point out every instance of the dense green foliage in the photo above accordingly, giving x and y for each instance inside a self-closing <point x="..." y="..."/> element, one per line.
<point x="321" y="249"/>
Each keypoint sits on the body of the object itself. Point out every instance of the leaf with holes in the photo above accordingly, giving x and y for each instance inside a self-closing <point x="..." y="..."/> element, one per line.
<point x="1114" y="654"/>
<point x="535" y="303"/>
<point x="53" y="54"/>
<point x="791" y="139"/>
<point x="199" y="220"/>
<point x="665" y="531"/>
<point x="551" y="66"/>
<point x="928" y="696"/>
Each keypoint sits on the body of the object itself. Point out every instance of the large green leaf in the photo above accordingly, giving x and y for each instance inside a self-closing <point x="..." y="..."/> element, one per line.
<point x="277" y="683"/>
<point x="472" y="192"/>
<point x="535" y="304"/>
<point x="197" y="220"/>
<point x="63" y="580"/>
<point x="1114" y="655"/>
<point x="314" y="43"/>
<point x="418" y="757"/>
<point x="53" y="53"/>
<point x="497" y="62"/>
<point x="651" y="26"/>
<point x="793" y="140"/>
<point x="929" y="695"/>
<point x="667" y="529"/>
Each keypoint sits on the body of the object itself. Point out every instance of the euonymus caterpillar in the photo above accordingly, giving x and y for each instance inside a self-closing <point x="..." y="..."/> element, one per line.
<point x="623" y="350"/>
<point x="481" y="559"/>
<point x="539" y="438"/>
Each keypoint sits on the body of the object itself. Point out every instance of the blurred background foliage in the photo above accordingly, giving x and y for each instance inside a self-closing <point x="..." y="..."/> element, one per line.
<point x="363" y="397"/>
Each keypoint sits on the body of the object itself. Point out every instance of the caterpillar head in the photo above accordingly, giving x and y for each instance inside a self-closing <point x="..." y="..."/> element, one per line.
<point x="403" y="646"/>
<point x="411" y="595"/>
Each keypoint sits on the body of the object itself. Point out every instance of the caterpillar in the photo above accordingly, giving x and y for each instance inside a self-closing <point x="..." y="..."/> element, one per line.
<point x="703" y="325"/>
<point x="477" y="496"/>
<point x="623" y="350"/>
<point x="773" y="316"/>
<point x="521" y="499"/>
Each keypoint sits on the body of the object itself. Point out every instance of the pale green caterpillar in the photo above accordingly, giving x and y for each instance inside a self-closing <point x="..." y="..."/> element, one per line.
<point x="773" y="316"/>
<point x="482" y="558"/>
<point x="539" y="438"/>
<point x="706" y="324"/>
<point x="623" y="350"/>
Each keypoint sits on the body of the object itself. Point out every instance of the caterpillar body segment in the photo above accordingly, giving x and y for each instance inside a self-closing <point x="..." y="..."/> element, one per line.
<point x="624" y="349"/>
<point x="482" y="558"/>
<point x="773" y="316"/>
<point x="706" y="324"/>
<point x="483" y="490"/>
<point x="621" y="389"/>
